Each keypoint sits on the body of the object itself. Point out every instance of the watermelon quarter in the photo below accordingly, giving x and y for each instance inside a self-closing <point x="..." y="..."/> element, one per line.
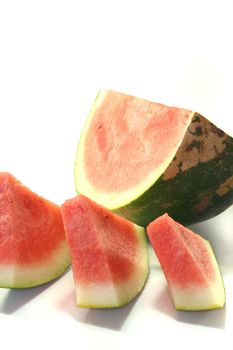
<point x="108" y="252"/>
<point x="189" y="265"/>
<point x="142" y="159"/>
<point x="33" y="247"/>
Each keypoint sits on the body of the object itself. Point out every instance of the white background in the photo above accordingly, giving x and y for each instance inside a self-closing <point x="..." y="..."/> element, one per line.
<point x="54" y="56"/>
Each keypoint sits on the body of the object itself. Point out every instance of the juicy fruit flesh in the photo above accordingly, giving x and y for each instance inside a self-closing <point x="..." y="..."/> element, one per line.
<point x="189" y="265"/>
<point x="128" y="133"/>
<point x="109" y="254"/>
<point x="25" y="217"/>
<point x="197" y="252"/>
<point x="103" y="249"/>
<point x="180" y="252"/>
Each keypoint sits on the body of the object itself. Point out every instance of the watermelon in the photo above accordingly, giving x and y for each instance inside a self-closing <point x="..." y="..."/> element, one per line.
<point x="142" y="159"/>
<point x="109" y="254"/>
<point x="189" y="265"/>
<point x="33" y="247"/>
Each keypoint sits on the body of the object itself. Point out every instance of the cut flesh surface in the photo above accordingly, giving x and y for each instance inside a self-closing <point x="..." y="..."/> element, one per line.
<point x="142" y="159"/>
<point x="189" y="265"/>
<point x="33" y="248"/>
<point x="109" y="254"/>
<point x="126" y="145"/>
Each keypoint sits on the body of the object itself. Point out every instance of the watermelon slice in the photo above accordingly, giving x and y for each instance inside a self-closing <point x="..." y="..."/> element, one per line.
<point x="109" y="254"/>
<point x="142" y="159"/>
<point x="189" y="265"/>
<point x="33" y="247"/>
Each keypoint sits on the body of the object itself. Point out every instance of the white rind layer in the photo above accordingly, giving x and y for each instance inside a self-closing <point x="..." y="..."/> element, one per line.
<point x="114" y="200"/>
<point x="193" y="297"/>
<point x="16" y="276"/>
<point x="96" y="296"/>
<point x="110" y="294"/>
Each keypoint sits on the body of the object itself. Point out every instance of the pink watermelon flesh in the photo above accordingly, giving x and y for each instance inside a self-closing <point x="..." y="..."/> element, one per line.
<point x="115" y="138"/>
<point x="189" y="265"/>
<point x="108" y="252"/>
<point x="32" y="237"/>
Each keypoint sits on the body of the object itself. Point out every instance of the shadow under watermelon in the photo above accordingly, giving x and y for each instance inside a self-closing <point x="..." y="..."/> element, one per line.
<point x="105" y="318"/>
<point x="109" y="318"/>
<point x="218" y="231"/>
<point x="17" y="298"/>
<point x="13" y="299"/>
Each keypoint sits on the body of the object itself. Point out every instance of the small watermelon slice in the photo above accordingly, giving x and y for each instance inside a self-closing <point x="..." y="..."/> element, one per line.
<point x="189" y="265"/>
<point x="33" y="247"/>
<point x="142" y="159"/>
<point x="109" y="254"/>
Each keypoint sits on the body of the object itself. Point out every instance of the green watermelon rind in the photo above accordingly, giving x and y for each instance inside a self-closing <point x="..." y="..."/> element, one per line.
<point x="179" y="196"/>
<point x="194" y="185"/>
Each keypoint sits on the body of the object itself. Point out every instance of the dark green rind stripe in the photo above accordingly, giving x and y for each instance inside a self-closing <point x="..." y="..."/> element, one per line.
<point x="189" y="197"/>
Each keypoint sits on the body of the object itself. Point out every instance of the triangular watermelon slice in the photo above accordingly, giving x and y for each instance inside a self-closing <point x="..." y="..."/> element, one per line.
<point x="189" y="264"/>
<point x="109" y="254"/>
<point x="142" y="159"/>
<point x="33" y="247"/>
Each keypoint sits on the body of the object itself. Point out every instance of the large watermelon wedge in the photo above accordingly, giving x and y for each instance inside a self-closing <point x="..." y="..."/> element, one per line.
<point x="33" y="247"/>
<point x="109" y="254"/>
<point x="142" y="159"/>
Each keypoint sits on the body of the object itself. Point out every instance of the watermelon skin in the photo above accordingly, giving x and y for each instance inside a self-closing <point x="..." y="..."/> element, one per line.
<point x="197" y="177"/>
<point x="191" y="196"/>
<point x="189" y="265"/>
<point x="33" y="245"/>
<point x="109" y="254"/>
